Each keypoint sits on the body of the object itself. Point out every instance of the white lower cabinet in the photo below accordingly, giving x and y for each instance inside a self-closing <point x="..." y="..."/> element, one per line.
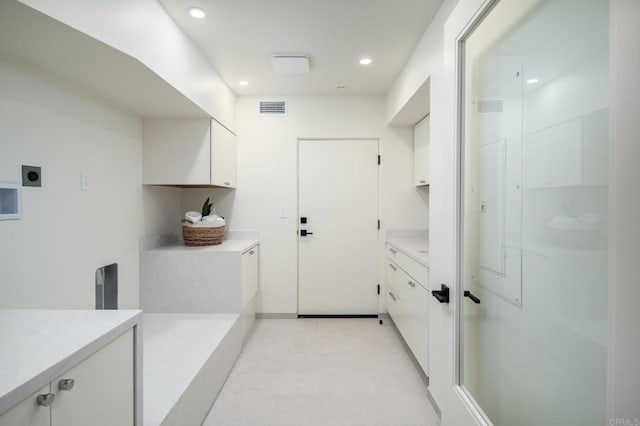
<point x="250" y="261"/>
<point x="28" y="412"/>
<point x="99" y="391"/>
<point x="408" y="303"/>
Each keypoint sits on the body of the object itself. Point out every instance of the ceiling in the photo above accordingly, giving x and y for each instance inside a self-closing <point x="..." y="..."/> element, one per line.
<point x="238" y="37"/>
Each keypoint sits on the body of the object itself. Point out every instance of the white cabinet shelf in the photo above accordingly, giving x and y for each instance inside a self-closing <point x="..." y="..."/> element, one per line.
<point x="188" y="152"/>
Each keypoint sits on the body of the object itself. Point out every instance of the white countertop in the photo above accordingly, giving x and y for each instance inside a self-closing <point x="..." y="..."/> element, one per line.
<point x="227" y="246"/>
<point x="416" y="248"/>
<point x="38" y="345"/>
<point x="169" y="369"/>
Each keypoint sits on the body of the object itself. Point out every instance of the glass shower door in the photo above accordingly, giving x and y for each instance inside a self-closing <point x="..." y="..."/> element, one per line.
<point x="533" y="196"/>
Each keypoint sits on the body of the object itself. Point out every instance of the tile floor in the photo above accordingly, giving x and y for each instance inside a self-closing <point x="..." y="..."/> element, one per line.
<point x="323" y="372"/>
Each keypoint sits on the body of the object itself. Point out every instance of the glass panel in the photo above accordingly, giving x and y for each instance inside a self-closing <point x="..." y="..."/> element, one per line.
<point x="533" y="212"/>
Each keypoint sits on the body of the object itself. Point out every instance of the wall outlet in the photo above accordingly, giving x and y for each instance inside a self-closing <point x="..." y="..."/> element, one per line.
<point x="31" y="176"/>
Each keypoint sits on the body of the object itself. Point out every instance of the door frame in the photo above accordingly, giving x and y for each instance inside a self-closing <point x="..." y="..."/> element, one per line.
<point x="460" y="90"/>
<point x="298" y="140"/>
<point x="456" y="406"/>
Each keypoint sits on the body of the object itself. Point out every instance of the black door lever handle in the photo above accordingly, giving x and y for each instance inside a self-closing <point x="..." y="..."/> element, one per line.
<point x="304" y="233"/>
<point x="468" y="294"/>
<point x="442" y="295"/>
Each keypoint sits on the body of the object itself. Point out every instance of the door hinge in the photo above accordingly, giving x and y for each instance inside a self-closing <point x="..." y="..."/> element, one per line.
<point x="378" y="288"/>
<point x="379" y="160"/>
<point x="378" y="223"/>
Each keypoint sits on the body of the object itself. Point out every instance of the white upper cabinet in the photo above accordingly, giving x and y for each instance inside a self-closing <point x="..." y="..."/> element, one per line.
<point x="421" y="152"/>
<point x="188" y="152"/>
<point x="224" y="156"/>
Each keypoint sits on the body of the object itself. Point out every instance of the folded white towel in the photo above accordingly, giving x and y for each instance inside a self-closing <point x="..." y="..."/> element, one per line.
<point x="214" y="221"/>
<point x="193" y="217"/>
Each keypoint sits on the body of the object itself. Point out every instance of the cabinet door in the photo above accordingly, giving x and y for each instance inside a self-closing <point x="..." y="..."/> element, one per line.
<point x="224" y="156"/>
<point x="420" y="326"/>
<point x="250" y="260"/>
<point x="103" y="389"/>
<point x="249" y="285"/>
<point x="176" y="151"/>
<point x="421" y="152"/>
<point x="28" y="412"/>
<point x="414" y="325"/>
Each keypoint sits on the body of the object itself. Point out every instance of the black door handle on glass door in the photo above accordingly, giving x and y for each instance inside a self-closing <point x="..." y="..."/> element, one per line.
<point x="304" y="233"/>
<point x="468" y="294"/>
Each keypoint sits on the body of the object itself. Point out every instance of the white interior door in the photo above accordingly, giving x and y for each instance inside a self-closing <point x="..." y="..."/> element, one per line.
<point x="337" y="258"/>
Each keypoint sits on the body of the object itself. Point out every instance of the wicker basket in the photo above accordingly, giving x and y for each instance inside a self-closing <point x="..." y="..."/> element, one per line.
<point x="202" y="236"/>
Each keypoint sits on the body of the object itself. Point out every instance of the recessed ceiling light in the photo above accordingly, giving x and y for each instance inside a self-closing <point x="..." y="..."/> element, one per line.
<point x="243" y="83"/>
<point x="532" y="81"/>
<point x="365" y="61"/>
<point x="196" y="12"/>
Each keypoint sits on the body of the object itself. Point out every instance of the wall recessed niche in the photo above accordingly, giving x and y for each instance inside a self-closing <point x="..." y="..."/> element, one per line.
<point x="9" y="201"/>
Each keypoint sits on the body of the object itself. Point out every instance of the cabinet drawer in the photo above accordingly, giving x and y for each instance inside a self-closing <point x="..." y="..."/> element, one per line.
<point x="417" y="270"/>
<point x="392" y="304"/>
<point x="392" y="275"/>
<point x="393" y="253"/>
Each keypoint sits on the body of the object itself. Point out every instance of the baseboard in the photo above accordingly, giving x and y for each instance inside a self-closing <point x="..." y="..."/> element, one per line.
<point x="338" y="316"/>
<point x="269" y="315"/>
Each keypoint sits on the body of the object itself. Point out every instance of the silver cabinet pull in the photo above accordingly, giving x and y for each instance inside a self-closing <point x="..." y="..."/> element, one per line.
<point x="411" y="284"/>
<point x="252" y="252"/>
<point x="393" y="267"/>
<point x="392" y="250"/>
<point x="227" y="183"/>
<point x="392" y="296"/>
<point x="66" y="384"/>
<point x="423" y="181"/>
<point x="45" y="399"/>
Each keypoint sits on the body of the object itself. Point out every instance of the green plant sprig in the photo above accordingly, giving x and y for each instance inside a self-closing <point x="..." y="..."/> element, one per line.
<point x="206" y="208"/>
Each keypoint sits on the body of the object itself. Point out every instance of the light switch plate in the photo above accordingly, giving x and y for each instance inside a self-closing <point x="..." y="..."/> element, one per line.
<point x="84" y="181"/>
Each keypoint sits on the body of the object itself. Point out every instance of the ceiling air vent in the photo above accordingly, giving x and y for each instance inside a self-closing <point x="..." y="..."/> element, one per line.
<point x="490" y="105"/>
<point x="273" y="107"/>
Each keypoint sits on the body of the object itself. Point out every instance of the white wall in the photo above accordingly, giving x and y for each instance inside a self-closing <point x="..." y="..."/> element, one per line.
<point x="425" y="61"/>
<point x="162" y="211"/>
<point x="143" y="30"/>
<point x="267" y="180"/>
<point x="48" y="258"/>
